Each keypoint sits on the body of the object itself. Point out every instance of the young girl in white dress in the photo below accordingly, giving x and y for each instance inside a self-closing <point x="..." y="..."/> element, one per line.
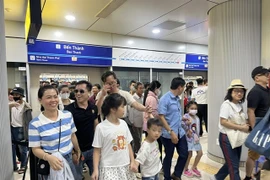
<point x="113" y="155"/>
<point x="191" y="124"/>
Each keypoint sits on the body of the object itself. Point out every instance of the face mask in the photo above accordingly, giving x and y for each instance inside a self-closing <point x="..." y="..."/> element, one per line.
<point x="193" y="112"/>
<point x="17" y="98"/>
<point x="65" y="95"/>
<point x="158" y="92"/>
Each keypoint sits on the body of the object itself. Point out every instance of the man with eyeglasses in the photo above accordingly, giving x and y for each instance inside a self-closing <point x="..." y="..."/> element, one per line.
<point x="110" y="87"/>
<point x="258" y="104"/>
<point x="85" y="119"/>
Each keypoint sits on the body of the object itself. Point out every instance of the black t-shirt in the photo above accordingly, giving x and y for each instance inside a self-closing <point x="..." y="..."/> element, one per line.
<point x="84" y="120"/>
<point x="259" y="98"/>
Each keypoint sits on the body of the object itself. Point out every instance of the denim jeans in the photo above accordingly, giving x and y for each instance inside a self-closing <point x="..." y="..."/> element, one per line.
<point x="232" y="158"/>
<point x="17" y="136"/>
<point x="88" y="159"/>
<point x="182" y="150"/>
<point x="156" y="177"/>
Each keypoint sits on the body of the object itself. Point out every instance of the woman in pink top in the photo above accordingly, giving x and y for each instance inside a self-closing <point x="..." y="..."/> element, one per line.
<point x="151" y="99"/>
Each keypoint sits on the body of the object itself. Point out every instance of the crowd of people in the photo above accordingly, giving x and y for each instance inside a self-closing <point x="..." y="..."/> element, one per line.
<point x="102" y="127"/>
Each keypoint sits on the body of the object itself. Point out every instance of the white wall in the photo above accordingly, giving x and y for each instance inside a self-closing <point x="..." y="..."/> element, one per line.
<point x="94" y="75"/>
<point x="16" y="29"/>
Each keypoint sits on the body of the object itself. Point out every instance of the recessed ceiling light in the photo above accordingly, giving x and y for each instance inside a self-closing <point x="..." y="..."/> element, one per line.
<point x="130" y="42"/>
<point x="181" y="47"/>
<point x="58" y="34"/>
<point x="70" y="17"/>
<point x="156" y="31"/>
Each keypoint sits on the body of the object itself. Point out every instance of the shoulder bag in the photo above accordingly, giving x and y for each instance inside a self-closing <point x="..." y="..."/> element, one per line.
<point x="259" y="138"/>
<point x="43" y="167"/>
<point x="237" y="138"/>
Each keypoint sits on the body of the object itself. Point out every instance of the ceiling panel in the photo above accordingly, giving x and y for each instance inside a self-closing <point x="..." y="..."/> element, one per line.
<point x="55" y="11"/>
<point x="135" y="13"/>
<point x="14" y="10"/>
<point x="218" y="1"/>
<point x="189" y="34"/>
<point x="200" y="40"/>
<point x="191" y="13"/>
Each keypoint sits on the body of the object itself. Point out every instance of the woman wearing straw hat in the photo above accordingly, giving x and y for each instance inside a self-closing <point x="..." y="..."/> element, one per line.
<point x="233" y="130"/>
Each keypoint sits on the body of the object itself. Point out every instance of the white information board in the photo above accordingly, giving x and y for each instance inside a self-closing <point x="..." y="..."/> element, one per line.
<point x="147" y="59"/>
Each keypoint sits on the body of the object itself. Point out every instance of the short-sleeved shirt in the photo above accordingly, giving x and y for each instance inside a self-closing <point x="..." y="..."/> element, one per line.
<point x="259" y="98"/>
<point x="45" y="133"/>
<point x="200" y="94"/>
<point x="169" y="106"/>
<point x="84" y="120"/>
<point x="152" y="101"/>
<point x="229" y="110"/>
<point x="149" y="159"/>
<point x="129" y="98"/>
<point x="135" y="116"/>
<point x="113" y="140"/>
<point x="17" y="116"/>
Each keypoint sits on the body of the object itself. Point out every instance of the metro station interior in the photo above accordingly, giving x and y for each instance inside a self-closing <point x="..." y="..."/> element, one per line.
<point x="65" y="41"/>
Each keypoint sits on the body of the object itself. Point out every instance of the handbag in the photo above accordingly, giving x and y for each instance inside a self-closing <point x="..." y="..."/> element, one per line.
<point x="237" y="138"/>
<point x="43" y="167"/>
<point x="259" y="138"/>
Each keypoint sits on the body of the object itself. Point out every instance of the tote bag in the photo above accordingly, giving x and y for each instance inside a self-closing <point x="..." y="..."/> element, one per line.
<point x="259" y="138"/>
<point x="237" y="138"/>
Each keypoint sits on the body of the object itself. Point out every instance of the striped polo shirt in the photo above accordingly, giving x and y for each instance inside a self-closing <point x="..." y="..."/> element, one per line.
<point x="44" y="133"/>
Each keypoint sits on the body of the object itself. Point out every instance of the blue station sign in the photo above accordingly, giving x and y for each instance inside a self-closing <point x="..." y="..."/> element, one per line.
<point x="61" y="53"/>
<point x="196" y="62"/>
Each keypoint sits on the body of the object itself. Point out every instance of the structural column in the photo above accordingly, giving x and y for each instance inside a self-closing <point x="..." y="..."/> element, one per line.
<point x="234" y="50"/>
<point x="265" y="61"/>
<point x="6" y="167"/>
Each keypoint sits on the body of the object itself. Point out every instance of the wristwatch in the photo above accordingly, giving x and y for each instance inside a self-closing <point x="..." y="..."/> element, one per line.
<point x="170" y="131"/>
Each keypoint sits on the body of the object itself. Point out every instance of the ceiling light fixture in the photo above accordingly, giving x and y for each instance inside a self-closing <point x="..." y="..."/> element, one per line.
<point x="130" y="42"/>
<point x="109" y="8"/>
<point x="70" y="17"/>
<point x="156" y="31"/>
<point x="182" y="47"/>
<point x="58" y="34"/>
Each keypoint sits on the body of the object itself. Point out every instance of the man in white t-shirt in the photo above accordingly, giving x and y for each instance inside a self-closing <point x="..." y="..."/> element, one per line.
<point x="110" y="87"/>
<point x="200" y="96"/>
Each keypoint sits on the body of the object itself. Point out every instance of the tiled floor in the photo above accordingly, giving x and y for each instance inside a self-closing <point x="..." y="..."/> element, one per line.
<point x="206" y="166"/>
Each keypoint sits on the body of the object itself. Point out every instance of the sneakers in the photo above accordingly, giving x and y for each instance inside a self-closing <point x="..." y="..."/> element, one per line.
<point x="213" y="177"/>
<point x="188" y="173"/>
<point x="196" y="173"/>
<point x="21" y="170"/>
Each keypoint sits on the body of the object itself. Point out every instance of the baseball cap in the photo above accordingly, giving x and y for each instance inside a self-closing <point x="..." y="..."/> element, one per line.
<point x="259" y="70"/>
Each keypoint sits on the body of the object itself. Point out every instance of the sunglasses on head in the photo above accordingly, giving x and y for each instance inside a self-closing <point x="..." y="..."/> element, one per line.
<point x="80" y="90"/>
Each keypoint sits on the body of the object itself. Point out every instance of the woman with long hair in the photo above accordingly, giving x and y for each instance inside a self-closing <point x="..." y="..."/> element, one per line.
<point x="151" y="95"/>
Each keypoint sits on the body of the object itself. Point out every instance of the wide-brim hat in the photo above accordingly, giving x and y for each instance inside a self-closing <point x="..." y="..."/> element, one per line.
<point x="236" y="83"/>
<point x="18" y="90"/>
